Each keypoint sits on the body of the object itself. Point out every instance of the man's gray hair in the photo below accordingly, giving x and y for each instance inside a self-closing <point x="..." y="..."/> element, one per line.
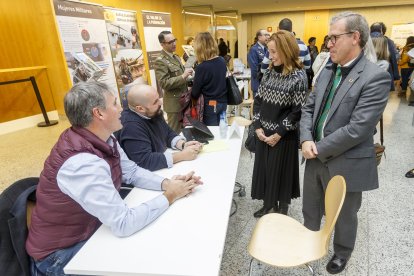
<point x="355" y="22"/>
<point x="82" y="98"/>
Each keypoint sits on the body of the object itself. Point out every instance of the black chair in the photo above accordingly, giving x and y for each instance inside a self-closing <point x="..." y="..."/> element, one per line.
<point x="13" y="226"/>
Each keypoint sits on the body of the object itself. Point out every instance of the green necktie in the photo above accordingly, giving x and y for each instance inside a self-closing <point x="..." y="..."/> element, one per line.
<point x="328" y="103"/>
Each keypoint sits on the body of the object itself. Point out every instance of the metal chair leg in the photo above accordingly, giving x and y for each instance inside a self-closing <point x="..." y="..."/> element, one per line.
<point x="311" y="269"/>
<point x="250" y="266"/>
<point x="241" y="189"/>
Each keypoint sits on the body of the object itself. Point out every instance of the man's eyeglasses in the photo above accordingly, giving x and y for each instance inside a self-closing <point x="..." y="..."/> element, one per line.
<point x="170" y="42"/>
<point x="334" y="38"/>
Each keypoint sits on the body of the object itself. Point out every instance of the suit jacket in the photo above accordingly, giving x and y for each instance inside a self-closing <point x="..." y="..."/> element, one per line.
<point x="168" y="71"/>
<point x="255" y="58"/>
<point x="347" y="147"/>
<point x="13" y="228"/>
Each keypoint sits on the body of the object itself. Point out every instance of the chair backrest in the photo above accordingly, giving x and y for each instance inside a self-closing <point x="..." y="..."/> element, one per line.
<point x="334" y="198"/>
<point x="13" y="231"/>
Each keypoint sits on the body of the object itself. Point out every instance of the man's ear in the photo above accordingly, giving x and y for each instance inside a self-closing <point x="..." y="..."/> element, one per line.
<point x="97" y="113"/>
<point x="139" y="108"/>
<point x="357" y="37"/>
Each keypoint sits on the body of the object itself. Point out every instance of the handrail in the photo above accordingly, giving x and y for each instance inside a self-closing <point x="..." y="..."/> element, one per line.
<point x="32" y="79"/>
<point x="10" y="70"/>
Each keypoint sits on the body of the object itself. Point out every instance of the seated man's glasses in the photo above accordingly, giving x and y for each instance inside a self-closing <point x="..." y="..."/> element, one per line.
<point x="170" y="42"/>
<point x="334" y="38"/>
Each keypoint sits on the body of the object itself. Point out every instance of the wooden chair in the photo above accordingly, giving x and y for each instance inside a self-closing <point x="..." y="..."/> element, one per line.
<point x="241" y="121"/>
<point x="281" y="241"/>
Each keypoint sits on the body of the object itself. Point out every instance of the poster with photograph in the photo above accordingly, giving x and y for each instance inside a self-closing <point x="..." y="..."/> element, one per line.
<point x="85" y="42"/>
<point x="154" y="23"/>
<point x="126" y="50"/>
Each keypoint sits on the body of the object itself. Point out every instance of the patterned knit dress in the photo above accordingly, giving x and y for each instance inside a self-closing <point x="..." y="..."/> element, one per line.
<point x="277" y="109"/>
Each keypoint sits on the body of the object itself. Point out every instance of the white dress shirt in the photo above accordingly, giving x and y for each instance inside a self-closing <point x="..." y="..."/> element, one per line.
<point x="86" y="178"/>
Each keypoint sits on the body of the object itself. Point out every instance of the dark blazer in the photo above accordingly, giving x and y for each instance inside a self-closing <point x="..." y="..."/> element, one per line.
<point x="255" y="58"/>
<point x="347" y="147"/>
<point x="13" y="228"/>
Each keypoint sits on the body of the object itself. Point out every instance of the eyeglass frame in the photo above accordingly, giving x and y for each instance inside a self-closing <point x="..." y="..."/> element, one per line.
<point x="335" y="37"/>
<point x="170" y="42"/>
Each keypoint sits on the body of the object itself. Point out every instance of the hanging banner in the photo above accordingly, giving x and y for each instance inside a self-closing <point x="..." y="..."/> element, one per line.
<point x="400" y="32"/>
<point x="85" y="42"/>
<point x="126" y="50"/>
<point x="154" y="23"/>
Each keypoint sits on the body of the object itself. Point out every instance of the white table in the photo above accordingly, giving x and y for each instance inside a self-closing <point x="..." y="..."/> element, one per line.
<point x="188" y="239"/>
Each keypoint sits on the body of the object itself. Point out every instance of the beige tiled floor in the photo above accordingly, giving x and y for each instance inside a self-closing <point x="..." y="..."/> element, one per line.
<point x="385" y="244"/>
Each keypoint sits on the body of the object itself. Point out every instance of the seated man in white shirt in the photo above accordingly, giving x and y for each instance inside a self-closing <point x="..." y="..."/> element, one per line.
<point x="78" y="187"/>
<point x="145" y="135"/>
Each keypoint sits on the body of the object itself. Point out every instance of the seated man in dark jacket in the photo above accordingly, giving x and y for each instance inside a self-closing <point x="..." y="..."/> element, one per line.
<point x="145" y="135"/>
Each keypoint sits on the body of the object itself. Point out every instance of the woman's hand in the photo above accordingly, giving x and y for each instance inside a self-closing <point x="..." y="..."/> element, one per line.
<point x="260" y="134"/>
<point x="272" y="140"/>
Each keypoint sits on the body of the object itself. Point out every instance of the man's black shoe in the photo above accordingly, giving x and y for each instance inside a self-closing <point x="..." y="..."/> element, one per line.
<point x="410" y="174"/>
<point x="263" y="211"/>
<point x="336" y="265"/>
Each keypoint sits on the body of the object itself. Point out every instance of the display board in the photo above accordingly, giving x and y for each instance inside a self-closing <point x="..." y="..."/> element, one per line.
<point x="85" y="42"/>
<point x="154" y="23"/>
<point x="400" y="32"/>
<point x="126" y="50"/>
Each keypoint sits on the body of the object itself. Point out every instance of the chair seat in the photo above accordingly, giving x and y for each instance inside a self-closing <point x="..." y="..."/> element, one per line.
<point x="241" y="121"/>
<point x="282" y="241"/>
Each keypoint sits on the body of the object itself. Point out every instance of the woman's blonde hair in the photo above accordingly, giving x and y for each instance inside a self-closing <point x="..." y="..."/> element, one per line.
<point x="205" y="47"/>
<point x="381" y="47"/>
<point x="288" y="51"/>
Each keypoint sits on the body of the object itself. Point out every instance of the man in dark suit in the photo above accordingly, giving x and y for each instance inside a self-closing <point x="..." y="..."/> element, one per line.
<point x="172" y="76"/>
<point x="255" y="57"/>
<point x="336" y="131"/>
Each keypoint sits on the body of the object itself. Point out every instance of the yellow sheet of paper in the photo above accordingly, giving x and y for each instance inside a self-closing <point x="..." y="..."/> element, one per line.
<point x="215" y="145"/>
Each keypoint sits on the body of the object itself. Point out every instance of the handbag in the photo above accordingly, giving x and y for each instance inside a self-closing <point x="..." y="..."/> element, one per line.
<point x="380" y="148"/>
<point x="250" y="143"/>
<point x="190" y="107"/>
<point x="234" y="96"/>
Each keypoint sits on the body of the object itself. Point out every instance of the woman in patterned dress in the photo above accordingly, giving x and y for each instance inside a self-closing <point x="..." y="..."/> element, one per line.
<point x="277" y="109"/>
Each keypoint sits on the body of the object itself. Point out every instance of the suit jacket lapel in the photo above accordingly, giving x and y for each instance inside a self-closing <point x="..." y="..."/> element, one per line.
<point x="323" y="83"/>
<point x="345" y="86"/>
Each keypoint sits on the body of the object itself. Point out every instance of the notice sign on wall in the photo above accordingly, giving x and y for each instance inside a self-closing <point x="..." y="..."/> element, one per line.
<point x="154" y="23"/>
<point x="400" y="32"/>
<point x="85" y="42"/>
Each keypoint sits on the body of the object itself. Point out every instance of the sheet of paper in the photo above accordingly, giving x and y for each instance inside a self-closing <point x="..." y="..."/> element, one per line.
<point x="215" y="145"/>
<point x="234" y="131"/>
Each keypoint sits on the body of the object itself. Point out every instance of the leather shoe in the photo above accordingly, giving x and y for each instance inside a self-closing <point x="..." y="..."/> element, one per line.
<point x="261" y="212"/>
<point x="410" y="174"/>
<point x="411" y="104"/>
<point x="336" y="265"/>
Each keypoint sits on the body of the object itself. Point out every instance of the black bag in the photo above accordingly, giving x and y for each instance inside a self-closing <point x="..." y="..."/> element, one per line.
<point x="234" y="96"/>
<point x="250" y="143"/>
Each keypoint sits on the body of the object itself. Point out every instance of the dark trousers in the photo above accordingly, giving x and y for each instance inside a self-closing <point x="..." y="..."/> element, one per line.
<point x="173" y="120"/>
<point x="314" y="186"/>
<point x="405" y="76"/>
<point x="211" y="115"/>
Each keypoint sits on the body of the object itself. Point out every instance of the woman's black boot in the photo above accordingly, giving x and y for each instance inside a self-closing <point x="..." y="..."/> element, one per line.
<point x="284" y="208"/>
<point x="261" y="212"/>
